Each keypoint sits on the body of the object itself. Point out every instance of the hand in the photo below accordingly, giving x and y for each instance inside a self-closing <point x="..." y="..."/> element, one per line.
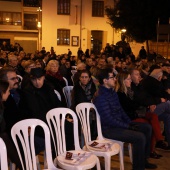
<point x="152" y="108"/>
<point x="133" y="127"/>
<point x="163" y="100"/>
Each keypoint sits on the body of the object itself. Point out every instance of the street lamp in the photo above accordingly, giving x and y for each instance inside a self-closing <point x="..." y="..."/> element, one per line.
<point x="39" y="35"/>
<point x="39" y="26"/>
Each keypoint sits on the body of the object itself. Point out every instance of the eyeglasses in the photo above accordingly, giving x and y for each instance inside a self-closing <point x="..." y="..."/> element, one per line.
<point x="14" y="78"/>
<point x="112" y="77"/>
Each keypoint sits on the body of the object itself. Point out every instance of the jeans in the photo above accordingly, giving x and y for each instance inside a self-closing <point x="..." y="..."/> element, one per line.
<point x="163" y="112"/>
<point x="140" y="141"/>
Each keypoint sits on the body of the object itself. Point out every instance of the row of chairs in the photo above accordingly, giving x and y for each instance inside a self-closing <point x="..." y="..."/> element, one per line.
<point x="56" y="120"/>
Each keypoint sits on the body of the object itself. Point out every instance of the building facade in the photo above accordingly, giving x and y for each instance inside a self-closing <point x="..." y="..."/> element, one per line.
<point x="73" y="24"/>
<point x="18" y="23"/>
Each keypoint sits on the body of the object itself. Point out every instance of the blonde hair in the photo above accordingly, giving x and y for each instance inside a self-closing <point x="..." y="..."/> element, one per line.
<point x="51" y="62"/>
<point x="120" y="85"/>
<point x="28" y="63"/>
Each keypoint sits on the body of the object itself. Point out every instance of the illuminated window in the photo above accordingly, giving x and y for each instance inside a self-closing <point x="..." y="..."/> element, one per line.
<point x="63" y="37"/>
<point x="63" y="7"/>
<point x="97" y="8"/>
<point x="10" y="18"/>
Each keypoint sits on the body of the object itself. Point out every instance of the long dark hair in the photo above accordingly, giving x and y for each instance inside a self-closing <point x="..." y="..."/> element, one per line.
<point x="3" y="88"/>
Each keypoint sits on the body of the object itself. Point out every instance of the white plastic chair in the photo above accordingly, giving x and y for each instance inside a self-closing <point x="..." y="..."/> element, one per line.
<point x="3" y="155"/>
<point x="73" y="72"/>
<point x="20" y="77"/>
<point x="83" y="112"/>
<point x="74" y="67"/>
<point x="20" y="130"/>
<point x="56" y="120"/>
<point x="67" y="93"/>
<point x="65" y="81"/>
<point x="58" y="94"/>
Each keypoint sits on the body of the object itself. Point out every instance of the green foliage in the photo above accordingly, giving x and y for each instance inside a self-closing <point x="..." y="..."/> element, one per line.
<point x="139" y="17"/>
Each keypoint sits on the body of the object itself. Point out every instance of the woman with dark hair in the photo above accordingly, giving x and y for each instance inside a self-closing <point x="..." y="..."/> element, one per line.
<point x="11" y="151"/>
<point x="138" y="113"/>
<point x="84" y="89"/>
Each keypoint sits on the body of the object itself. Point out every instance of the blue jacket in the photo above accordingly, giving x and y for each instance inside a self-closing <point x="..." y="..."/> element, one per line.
<point x="110" y="110"/>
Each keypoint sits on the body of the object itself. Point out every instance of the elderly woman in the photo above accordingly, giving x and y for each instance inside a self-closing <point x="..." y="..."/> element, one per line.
<point x="54" y="77"/>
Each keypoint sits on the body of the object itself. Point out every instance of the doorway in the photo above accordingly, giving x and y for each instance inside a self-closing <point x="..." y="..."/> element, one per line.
<point x="96" y="41"/>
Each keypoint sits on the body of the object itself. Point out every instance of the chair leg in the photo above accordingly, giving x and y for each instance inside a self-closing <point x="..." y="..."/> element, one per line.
<point x="12" y="166"/>
<point x="38" y="163"/>
<point x="45" y="161"/>
<point x="98" y="164"/>
<point x="107" y="162"/>
<point x="121" y="155"/>
<point x="130" y="152"/>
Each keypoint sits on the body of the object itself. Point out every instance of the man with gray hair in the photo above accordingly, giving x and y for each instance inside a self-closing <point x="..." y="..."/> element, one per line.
<point x="13" y="62"/>
<point x="150" y="92"/>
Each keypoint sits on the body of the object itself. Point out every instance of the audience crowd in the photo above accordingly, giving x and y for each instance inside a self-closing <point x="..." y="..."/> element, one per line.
<point x="131" y="95"/>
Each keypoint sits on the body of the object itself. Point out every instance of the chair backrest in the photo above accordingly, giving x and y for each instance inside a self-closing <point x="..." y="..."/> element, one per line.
<point x="56" y="120"/>
<point x="67" y="93"/>
<point x="73" y="67"/>
<point x="58" y="94"/>
<point x="3" y="155"/>
<point x="73" y="72"/>
<point x="24" y="131"/>
<point x="20" y="77"/>
<point x="83" y="111"/>
<point x="65" y="81"/>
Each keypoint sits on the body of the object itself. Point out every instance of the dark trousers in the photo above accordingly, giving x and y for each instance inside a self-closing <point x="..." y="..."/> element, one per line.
<point x="140" y="141"/>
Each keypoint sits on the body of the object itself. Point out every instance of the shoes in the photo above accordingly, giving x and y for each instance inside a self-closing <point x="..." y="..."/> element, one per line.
<point x="154" y="155"/>
<point x="162" y="145"/>
<point x="150" y="166"/>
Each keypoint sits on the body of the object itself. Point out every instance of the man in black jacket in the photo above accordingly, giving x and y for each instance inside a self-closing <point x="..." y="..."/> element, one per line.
<point x="37" y="99"/>
<point x="11" y="111"/>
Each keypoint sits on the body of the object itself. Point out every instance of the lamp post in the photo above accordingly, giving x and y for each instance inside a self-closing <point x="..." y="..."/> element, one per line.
<point x="39" y="26"/>
<point x="39" y="35"/>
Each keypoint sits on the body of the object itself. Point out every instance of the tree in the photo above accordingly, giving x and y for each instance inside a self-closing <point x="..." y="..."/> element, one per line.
<point x="139" y="17"/>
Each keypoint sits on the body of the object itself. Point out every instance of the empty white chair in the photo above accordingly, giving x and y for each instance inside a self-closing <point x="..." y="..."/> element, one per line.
<point x="73" y="72"/>
<point x="56" y="119"/>
<point x="67" y="93"/>
<point x="3" y="156"/>
<point x="83" y="111"/>
<point x="25" y="130"/>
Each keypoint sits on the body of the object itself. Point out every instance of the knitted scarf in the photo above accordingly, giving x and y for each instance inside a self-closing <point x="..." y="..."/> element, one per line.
<point x="57" y="75"/>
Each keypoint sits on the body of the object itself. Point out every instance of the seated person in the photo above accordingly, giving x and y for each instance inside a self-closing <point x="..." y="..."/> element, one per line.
<point x="156" y="96"/>
<point x="136" y="112"/>
<point x="83" y="91"/>
<point x="37" y="99"/>
<point x="11" y="150"/>
<point x="54" y="77"/>
<point x="118" y="126"/>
